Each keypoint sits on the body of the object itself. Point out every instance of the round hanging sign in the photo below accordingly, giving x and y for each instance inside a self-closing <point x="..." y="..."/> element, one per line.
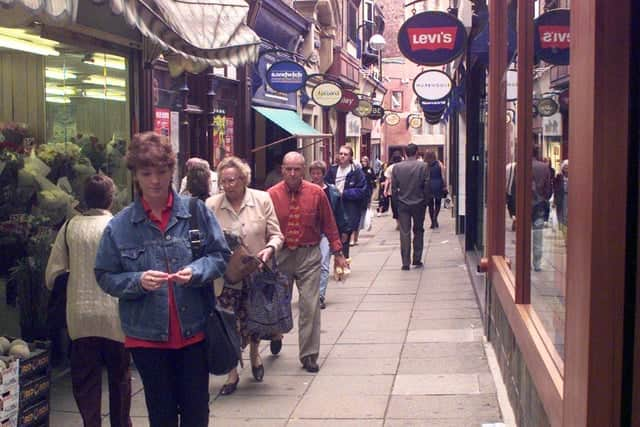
<point x="363" y="109"/>
<point x="326" y="94"/>
<point x="348" y="102"/>
<point x="547" y="107"/>
<point x="415" y="122"/>
<point x="286" y="76"/>
<point x="552" y="36"/>
<point x="392" y="119"/>
<point x="432" y="85"/>
<point x="432" y="38"/>
<point x="377" y="112"/>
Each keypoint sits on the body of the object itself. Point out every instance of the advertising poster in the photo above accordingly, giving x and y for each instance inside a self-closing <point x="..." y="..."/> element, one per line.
<point x="162" y="121"/>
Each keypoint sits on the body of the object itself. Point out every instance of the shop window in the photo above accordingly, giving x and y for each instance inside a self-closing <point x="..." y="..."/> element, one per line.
<point x="64" y="116"/>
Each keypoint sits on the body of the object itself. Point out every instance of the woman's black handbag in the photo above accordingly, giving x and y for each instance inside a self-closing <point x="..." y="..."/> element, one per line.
<point x="221" y="334"/>
<point x="269" y="303"/>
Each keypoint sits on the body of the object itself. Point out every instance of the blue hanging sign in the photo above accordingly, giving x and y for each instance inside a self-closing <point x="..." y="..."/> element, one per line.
<point x="433" y="107"/>
<point x="286" y="76"/>
<point x="432" y="38"/>
<point x="553" y="36"/>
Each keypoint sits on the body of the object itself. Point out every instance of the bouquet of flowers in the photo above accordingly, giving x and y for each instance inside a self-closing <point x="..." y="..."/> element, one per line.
<point x="60" y="157"/>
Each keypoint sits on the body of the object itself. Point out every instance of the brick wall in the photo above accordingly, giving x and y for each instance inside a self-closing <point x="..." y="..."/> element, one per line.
<point x="393" y="11"/>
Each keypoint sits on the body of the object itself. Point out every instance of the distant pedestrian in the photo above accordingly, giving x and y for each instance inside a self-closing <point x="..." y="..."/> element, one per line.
<point x="541" y="193"/>
<point x="275" y="174"/>
<point x="370" y="178"/>
<point x="92" y="315"/>
<point x="438" y="186"/>
<point x="317" y="171"/>
<point x="197" y="162"/>
<point x="395" y="159"/>
<point x="146" y="261"/>
<point x="561" y="195"/>
<point x="411" y="190"/>
<point x="511" y="193"/>
<point x="352" y="185"/>
<point x="304" y="213"/>
<point x="250" y="214"/>
<point x="199" y="181"/>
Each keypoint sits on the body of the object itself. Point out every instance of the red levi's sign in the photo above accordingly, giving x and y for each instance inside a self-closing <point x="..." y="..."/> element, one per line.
<point x="433" y="38"/>
<point x="554" y="36"/>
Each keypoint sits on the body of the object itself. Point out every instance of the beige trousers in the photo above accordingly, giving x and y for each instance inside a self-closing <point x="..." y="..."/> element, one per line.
<point x="303" y="265"/>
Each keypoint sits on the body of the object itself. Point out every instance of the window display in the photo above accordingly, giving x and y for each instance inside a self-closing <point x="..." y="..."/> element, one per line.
<point x="64" y="115"/>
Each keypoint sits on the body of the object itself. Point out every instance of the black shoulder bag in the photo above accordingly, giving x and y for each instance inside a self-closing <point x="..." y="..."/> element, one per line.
<point x="222" y="341"/>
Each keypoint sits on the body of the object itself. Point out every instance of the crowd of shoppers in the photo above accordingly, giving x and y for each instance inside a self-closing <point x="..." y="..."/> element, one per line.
<point x="137" y="288"/>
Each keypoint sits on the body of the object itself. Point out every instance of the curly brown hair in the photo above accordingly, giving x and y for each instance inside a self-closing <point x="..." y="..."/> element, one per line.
<point x="150" y="149"/>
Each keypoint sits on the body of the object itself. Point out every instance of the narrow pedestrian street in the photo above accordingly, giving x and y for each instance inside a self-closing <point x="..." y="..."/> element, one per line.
<point x="398" y="349"/>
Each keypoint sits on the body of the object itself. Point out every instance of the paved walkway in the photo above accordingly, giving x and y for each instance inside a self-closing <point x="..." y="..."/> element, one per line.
<point x="399" y="348"/>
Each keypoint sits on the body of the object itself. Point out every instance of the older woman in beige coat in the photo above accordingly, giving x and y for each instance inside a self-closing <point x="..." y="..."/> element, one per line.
<point x="249" y="214"/>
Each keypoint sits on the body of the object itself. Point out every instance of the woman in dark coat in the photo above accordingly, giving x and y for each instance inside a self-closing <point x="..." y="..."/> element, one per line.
<point x="438" y="186"/>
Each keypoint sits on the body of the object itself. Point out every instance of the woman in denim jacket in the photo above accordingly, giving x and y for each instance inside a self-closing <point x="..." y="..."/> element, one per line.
<point x="145" y="260"/>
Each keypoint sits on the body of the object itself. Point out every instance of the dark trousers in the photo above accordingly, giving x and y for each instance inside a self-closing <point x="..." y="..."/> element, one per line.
<point x="345" y="244"/>
<point x="88" y="357"/>
<point x="406" y="215"/>
<point x="434" y="210"/>
<point x="176" y="382"/>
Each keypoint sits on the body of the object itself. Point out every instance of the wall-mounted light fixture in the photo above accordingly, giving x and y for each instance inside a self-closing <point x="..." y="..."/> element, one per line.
<point x="98" y="80"/>
<point x="27" y="46"/>
<point x="105" y="60"/>
<point x="58" y="74"/>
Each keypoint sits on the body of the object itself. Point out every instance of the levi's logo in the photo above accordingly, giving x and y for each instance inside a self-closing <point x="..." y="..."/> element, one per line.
<point x="432" y="38"/>
<point x="554" y="36"/>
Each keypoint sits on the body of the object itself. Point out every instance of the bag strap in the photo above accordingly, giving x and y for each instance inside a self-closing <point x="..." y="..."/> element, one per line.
<point x="66" y="241"/>
<point x="194" y="228"/>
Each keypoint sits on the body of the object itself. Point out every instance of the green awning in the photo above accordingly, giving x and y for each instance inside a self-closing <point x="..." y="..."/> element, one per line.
<point x="291" y="122"/>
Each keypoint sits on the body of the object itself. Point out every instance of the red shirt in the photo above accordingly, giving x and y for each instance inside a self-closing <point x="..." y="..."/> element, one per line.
<point x="176" y="340"/>
<point x="315" y="209"/>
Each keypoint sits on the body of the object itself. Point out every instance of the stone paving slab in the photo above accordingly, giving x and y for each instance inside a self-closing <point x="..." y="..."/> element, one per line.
<point x="398" y="348"/>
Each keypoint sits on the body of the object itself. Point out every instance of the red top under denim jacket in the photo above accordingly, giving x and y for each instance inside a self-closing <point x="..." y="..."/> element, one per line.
<point x="176" y="340"/>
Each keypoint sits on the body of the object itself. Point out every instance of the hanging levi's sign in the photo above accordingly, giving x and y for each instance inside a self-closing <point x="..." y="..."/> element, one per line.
<point x="326" y="94"/>
<point x="432" y="38"/>
<point x="286" y="76"/>
<point x="553" y="36"/>
<point x="547" y="107"/>
<point x="377" y="112"/>
<point x="392" y="119"/>
<point x="363" y="109"/>
<point x="432" y="85"/>
<point x="348" y="102"/>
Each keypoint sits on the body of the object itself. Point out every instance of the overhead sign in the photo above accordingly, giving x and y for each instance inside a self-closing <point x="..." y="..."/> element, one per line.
<point x="392" y="119"/>
<point x="432" y="85"/>
<point x="348" y="102"/>
<point x="433" y="106"/>
<point x="326" y="94"/>
<point x="414" y="121"/>
<point x="363" y="109"/>
<point x="512" y="85"/>
<point x="553" y="36"/>
<point x="432" y="38"/>
<point x="377" y="112"/>
<point x="286" y="76"/>
<point x="547" y="107"/>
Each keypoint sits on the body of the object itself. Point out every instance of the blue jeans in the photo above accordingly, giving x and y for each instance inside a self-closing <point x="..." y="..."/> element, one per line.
<point x="325" y="251"/>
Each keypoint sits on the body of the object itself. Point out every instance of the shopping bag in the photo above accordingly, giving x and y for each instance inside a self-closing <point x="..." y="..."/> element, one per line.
<point x="368" y="219"/>
<point x="269" y="303"/>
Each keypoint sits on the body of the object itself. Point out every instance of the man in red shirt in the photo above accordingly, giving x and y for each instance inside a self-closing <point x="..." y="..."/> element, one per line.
<point x="304" y="213"/>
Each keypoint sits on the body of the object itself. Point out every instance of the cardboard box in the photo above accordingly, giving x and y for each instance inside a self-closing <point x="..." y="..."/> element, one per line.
<point x="9" y="375"/>
<point x="9" y="404"/>
<point x="38" y="363"/>
<point x="34" y="390"/>
<point x="35" y="414"/>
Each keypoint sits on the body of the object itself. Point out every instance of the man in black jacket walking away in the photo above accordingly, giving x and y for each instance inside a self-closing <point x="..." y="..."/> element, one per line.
<point x="410" y="181"/>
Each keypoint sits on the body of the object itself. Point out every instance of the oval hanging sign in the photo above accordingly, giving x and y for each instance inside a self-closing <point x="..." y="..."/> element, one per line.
<point x="377" y="112"/>
<point x="286" y="76"/>
<point x="363" y="109"/>
<point x="392" y="119"/>
<point x="432" y="85"/>
<point x="326" y="94"/>
<point x="553" y="36"/>
<point x="348" y="102"/>
<point x="432" y="38"/>
<point x="547" y="107"/>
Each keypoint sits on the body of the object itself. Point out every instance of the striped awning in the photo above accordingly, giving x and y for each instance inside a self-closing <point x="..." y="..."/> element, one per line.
<point x="203" y="31"/>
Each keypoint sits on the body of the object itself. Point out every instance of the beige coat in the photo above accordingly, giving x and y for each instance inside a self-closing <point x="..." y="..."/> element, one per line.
<point x="90" y="311"/>
<point x="256" y="222"/>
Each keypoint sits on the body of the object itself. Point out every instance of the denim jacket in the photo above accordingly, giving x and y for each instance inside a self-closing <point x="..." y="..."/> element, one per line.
<point x="132" y="244"/>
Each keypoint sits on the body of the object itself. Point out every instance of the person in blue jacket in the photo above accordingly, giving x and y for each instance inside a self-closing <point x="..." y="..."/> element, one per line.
<point x="317" y="171"/>
<point x="145" y="260"/>
<point x="354" y="190"/>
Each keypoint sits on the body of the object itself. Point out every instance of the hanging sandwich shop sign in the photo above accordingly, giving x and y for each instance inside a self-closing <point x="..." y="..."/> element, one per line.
<point x="432" y="38"/>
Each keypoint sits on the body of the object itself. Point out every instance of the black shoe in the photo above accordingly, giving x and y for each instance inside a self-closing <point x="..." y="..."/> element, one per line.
<point x="405" y="268"/>
<point x="258" y="372"/>
<point x="229" y="388"/>
<point x="322" y="304"/>
<point x="309" y="365"/>
<point x="276" y="346"/>
<point x="436" y="224"/>
<point x="432" y="226"/>
<point x="418" y="264"/>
